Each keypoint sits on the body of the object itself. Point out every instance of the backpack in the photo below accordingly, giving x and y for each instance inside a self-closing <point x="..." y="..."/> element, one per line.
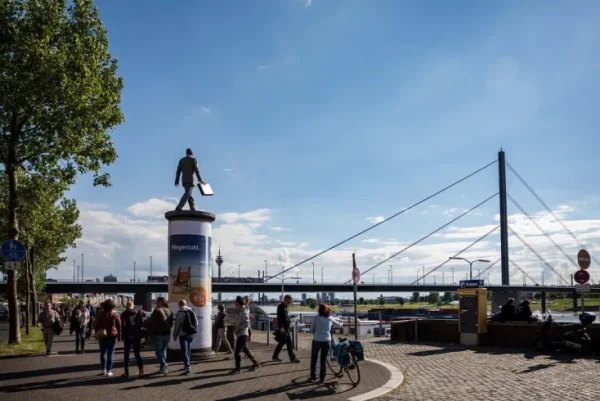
<point x="190" y="325"/>
<point x="130" y="326"/>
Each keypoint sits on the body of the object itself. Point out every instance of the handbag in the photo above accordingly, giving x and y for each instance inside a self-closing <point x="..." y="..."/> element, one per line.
<point x="100" y="334"/>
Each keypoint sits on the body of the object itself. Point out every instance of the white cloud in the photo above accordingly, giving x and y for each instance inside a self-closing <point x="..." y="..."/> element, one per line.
<point x="450" y="212"/>
<point x="255" y="216"/>
<point x="375" y="219"/>
<point x="308" y="3"/>
<point x="261" y="67"/>
<point x="206" y="109"/>
<point x="423" y="211"/>
<point x="112" y="241"/>
<point x="153" y="208"/>
<point x="434" y="206"/>
<point x="277" y="228"/>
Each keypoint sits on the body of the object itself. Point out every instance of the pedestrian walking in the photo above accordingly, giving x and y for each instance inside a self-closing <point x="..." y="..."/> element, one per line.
<point x="108" y="331"/>
<point x="186" y="327"/>
<point x="242" y="324"/>
<point x="159" y="326"/>
<point x="221" y="328"/>
<point x="80" y="318"/>
<point x="321" y="329"/>
<point x="46" y="321"/>
<point x="90" y="327"/>
<point x="282" y="335"/>
<point x="131" y="335"/>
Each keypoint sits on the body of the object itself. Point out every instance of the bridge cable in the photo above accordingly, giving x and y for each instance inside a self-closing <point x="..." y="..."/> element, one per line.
<point x="488" y="268"/>
<point x="457" y="254"/>
<point x="388" y="219"/>
<point x="524" y="272"/>
<point x="538" y="255"/>
<point x="428" y="235"/>
<point x="559" y="220"/>
<point x="542" y="230"/>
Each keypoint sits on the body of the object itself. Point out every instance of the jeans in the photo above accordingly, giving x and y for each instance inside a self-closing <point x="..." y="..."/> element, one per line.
<point x="161" y="341"/>
<point x="221" y="336"/>
<point x="107" y="352"/>
<point x="80" y="338"/>
<point x="323" y="348"/>
<point x="186" y="349"/>
<point x="127" y="345"/>
<point x="287" y="340"/>
<point x="241" y="345"/>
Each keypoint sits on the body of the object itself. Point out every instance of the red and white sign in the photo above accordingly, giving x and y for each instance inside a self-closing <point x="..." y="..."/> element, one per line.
<point x="584" y="259"/>
<point x="581" y="276"/>
<point x="355" y="271"/>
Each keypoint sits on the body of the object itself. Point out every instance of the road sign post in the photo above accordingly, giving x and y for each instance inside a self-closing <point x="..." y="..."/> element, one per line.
<point x="582" y="276"/>
<point x="355" y="280"/>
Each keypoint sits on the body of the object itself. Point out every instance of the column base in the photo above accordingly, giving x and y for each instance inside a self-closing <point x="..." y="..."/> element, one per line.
<point x="204" y="354"/>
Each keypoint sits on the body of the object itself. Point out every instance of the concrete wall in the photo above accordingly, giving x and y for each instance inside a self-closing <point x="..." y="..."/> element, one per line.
<point x="508" y="334"/>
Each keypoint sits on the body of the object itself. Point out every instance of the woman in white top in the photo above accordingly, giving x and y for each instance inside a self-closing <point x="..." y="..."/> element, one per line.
<point x="321" y="328"/>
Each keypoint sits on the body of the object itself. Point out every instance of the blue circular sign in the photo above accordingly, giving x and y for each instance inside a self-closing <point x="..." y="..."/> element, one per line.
<point x="12" y="251"/>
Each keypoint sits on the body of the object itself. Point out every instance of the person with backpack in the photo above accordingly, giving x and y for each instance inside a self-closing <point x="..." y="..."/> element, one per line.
<point x="131" y="335"/>
<point x="186" y="327"/>
<point x="108" y="329"/>
<point x="159" y="326"/>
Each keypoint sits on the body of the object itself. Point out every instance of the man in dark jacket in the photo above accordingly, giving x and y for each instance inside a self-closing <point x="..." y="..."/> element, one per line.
<point x="187" y="168"/>
<point x="282" y="335"/>
<point x="131" y="335"/>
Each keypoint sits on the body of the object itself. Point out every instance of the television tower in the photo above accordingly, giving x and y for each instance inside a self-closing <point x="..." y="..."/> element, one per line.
<point x="219" y="261"/>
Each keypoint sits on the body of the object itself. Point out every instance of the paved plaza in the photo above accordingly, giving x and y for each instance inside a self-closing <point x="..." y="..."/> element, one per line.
<point x="434" y="372"/>
<point x="67" y="376"/>
<point x="431" y="372"/>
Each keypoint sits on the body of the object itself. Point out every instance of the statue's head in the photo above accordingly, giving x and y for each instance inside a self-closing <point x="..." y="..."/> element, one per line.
<point x="189" y="152"/>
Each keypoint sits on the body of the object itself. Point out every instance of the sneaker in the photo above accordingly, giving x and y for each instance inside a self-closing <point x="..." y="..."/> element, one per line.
<point x="125" y="375"/>
<point x="165" y="371"/>
<point x="295" y="360"/>
<point x="187" y="371"/>
<point x="235" y="372"/>
<point x="109" y="373"/>
<point x="141" y="372"/>
<point x="277" y="359"/>
<point x="254" y="367"/>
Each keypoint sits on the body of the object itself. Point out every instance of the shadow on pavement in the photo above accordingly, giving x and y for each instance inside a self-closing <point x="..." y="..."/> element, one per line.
<point x="438" y="351"/>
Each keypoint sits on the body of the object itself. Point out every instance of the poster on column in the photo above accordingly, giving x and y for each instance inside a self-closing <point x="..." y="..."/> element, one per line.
<point x="189" y="279"/>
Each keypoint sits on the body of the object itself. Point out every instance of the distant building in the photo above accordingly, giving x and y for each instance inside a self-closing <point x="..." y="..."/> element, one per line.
<point x="324" y="297"/>
<point x="331" y="296"/>
<point x="110" y="279"/>
<point x="304" y="297"/>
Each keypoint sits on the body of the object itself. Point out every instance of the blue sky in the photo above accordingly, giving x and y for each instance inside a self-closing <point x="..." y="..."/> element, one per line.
<point x="316" y="115"/>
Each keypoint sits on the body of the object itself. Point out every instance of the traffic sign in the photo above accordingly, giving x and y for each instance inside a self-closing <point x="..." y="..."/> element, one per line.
<point x="471" y="283"/>
<point x="12" y="251"/>
<point x="12" y="266"/>
<point x="584" y="259"/>
<point x="582" y="288"/>
<point x="581" y="276"/>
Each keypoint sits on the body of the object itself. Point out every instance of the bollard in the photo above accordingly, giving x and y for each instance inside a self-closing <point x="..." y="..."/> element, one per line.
<point x="296" y="335"/>
<point x="268" y="330"/>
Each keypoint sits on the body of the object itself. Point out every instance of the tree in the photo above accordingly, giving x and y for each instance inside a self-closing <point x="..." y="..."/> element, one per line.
<point x="361" y="301"/>
<point x="59" y="98"/>
<point x="400" y="301"/>
<point x="415" y="297"/>
<point x="447" y="297"/>
<point x="381" y="301"/>
<point x="313" y="304"/>
<point x="433" y="298"/>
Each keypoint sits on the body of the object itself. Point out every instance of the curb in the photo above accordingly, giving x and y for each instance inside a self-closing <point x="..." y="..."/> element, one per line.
<point x="396" y="380"/>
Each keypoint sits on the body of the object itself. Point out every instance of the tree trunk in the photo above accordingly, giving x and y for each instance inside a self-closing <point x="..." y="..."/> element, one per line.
<point x="33" y="294"/>
<point x="27" y="276"/>
<point x="14" y="332"/>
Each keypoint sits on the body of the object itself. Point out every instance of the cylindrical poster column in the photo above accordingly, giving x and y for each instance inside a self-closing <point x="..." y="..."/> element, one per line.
<point x="189" y="273"/>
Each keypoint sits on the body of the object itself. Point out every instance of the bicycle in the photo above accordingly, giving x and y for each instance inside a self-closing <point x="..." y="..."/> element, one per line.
<point x="352" y="369"/>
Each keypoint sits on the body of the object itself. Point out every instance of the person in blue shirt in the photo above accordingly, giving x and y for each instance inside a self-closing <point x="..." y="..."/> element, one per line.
<point x="321" y="328"/>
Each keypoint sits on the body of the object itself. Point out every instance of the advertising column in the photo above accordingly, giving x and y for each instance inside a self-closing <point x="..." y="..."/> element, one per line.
<point x="189" y="272"/>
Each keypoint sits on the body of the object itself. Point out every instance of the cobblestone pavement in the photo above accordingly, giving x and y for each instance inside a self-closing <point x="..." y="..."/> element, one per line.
<point x="70" y="377"/>
<point x="434" y="372"/>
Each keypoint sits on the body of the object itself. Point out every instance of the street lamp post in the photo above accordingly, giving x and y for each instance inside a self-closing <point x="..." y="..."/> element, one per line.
<point x="443" y="278"/>
<point x="423" y="276"/>
<point x="150" y="267"/>
<point x="134" y="272"/>
<point x="453" y="282"/>
<point x="321" y="275"/>
<point x="313" y="263"/>
<point x="470" y="262"/>
<point x="391" y="275"/>
<point x="417" y="277"/>
<point x="239" y="271"/>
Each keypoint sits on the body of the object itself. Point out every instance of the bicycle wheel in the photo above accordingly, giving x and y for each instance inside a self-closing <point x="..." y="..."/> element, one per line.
<point x="333" y="365"/>
<point x="353" y="370"/>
